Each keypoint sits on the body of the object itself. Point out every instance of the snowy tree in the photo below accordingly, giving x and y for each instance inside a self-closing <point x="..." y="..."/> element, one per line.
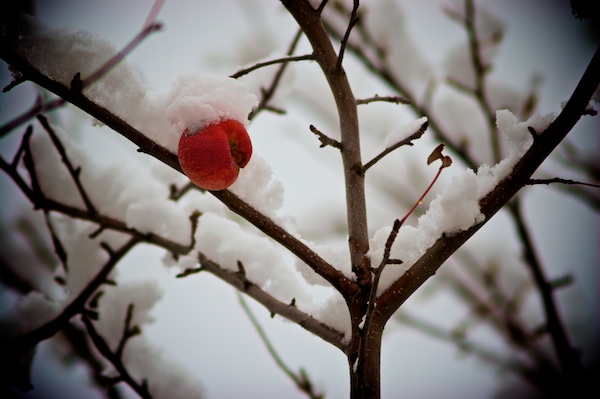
<point x="394" y="157"/>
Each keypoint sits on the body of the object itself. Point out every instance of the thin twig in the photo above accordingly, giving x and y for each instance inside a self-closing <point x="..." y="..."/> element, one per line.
<point x="120" y="56"/>
<point x="324" y="139"/>
<point x="569" y="356"/>
<point x="353" y="21"/>
<point x="128" y="332"/>
<point x="276" y="61"/>
<point x="407" y="141"/>
<point x="302" y="382"/>
<point x="462" y="343"/>
<point x="532" y="182"/>
<point x="481" y="71"/>
<point x="388" y="99"/>
<point x="153" y="14"/>
<point x="59" y="249"/>
<point x="269" y="92"/>
<point x="116" y="360"/>
<point x="74" y="172"/>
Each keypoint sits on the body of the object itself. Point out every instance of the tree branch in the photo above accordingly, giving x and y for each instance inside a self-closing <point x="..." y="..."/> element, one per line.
<point x="74" y="172"/>
<point x="388" y="99"/>
<point x="407" y="141"/>
<point x="275" y="306"/>
<point x="569" y="182"/>
<point x="116" y="359"/>
<point x="17" y="346"/>
<point x="324" y="139"/>
<point x="310" y="22"/>
<point x="268" y="93"/>
<point x="234" y="203"/>
<point x="282" y="60"/>
<point x="426" y="266"/>
<point x="353" y="21"/>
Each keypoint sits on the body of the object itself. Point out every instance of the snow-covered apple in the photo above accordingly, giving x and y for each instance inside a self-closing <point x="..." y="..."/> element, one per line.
<point x="212" y="157"/>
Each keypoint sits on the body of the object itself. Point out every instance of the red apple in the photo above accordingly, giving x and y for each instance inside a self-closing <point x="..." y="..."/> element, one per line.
<point x="212" y="157"/>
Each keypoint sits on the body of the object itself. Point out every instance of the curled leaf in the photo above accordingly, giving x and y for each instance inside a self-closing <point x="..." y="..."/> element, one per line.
<point x="436" y="154"/>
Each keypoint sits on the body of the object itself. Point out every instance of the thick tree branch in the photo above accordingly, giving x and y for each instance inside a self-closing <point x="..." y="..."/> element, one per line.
<point x="275" y="306"/>
<point x="310" y="22"/>
<point x="427" y="265"/>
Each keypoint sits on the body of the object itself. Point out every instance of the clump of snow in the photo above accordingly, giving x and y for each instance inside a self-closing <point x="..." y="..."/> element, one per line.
<point x="85" y="259"/>
<point x="30" y="312"/>
<point x="226" y="243"/>
<point x="194" y="101"/>
<point x="197" y="100"/>
<point x="334" y="313"/>
<point x="403" y="132"/>
<point x="127" y="192"/>
<point x="257" y="188"/>
<point x="457" y="207"/>
<point x="336" y="254"/>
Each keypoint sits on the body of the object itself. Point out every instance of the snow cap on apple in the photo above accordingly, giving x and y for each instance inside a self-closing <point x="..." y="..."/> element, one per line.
<point x="209" y="113"/>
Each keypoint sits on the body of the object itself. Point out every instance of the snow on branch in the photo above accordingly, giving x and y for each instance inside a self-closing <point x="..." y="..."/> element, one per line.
<point x="17" y="346"/>
<point x="499" y="183"/>
<point x="155" y="145"/>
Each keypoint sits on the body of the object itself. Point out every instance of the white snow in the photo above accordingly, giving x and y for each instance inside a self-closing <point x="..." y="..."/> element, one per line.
<point x="194" y="100"/>
<point x="126" y="191"/>
<point x="225" y="242"/>
<point x="403" y="132"/>
<point x="257" y="188"/>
